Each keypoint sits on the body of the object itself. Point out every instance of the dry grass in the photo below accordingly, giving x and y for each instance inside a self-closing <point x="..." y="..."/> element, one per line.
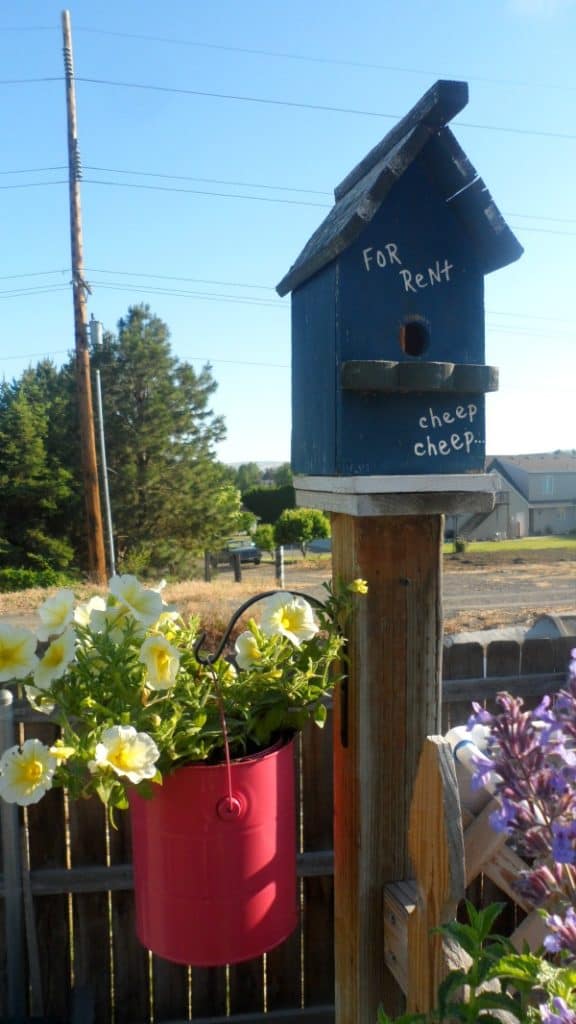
<point x="216" y="602"/>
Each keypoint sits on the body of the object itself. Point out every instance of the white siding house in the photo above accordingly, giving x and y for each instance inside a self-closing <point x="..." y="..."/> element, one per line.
<point x="536" y="495"/>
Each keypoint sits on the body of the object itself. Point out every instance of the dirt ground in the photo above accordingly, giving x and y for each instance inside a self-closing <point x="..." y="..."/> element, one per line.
<point x="480" y="591"/>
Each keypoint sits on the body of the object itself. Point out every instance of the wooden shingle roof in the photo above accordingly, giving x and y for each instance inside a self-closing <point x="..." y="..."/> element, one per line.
<point x="360" y="195"/>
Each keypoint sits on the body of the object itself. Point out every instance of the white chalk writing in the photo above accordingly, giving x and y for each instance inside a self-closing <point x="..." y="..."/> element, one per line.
<point x="413" y="281"/>
<point x="461" y="440"/>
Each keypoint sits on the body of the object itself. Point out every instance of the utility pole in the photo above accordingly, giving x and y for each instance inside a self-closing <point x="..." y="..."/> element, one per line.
<point x="94" y="530"/>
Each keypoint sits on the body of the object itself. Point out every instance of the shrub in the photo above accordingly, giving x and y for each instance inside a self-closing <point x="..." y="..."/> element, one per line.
<point x="26" y="579"/>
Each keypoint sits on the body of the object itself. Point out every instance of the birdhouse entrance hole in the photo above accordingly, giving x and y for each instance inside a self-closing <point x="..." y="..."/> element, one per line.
<point x="414" y="337"/>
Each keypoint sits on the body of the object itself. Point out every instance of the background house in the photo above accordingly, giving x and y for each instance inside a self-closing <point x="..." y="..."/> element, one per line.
<point x="536" y="495"/>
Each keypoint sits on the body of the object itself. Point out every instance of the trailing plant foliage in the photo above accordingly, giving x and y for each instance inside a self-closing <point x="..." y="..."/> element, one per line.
<point x="498" y="979"/>
<point x="123" y="678"/>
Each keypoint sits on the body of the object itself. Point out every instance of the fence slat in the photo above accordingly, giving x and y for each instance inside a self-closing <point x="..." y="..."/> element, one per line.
<point x="48" y="926"/>
<point x="130" y="959"/>
<point x="318" y="935"/>
<point x="92" y="952"/>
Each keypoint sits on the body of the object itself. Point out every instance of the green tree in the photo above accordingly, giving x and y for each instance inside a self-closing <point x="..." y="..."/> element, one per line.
<point x="268" y="503"/>
<point x="247" y="476"/>
<point x="282" y="476"/>
<point x="170" y="497"/>
<point x="264" y="537"/>
<point x="35" y="487"/>
<point x="300" y="526"/>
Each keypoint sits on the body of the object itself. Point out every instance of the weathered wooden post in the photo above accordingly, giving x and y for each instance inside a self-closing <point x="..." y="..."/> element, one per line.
<point x="388" y="435"/>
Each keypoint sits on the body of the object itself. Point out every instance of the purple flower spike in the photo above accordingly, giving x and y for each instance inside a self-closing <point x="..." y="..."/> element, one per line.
<point x="564" y="842"/>
<point x="558" y="1013"/>
<point x="561" y="933"/>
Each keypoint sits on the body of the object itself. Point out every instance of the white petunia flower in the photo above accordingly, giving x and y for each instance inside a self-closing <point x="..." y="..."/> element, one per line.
<point x="247" y="651"/>
<point x="129" y="753"/>
<point x="162" y="662"/>
<point x="145" y="605"/>
<point x="26" y="773"/>
<point x="84" y="612"/>
<point x="17" y="652"/>
<point x="290" y="616"/>
<point x="56" y="614"/>
<point x="55" y="660"/>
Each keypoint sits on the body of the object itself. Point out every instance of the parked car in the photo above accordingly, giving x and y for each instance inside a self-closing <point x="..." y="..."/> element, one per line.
<point x="249" y="553"/>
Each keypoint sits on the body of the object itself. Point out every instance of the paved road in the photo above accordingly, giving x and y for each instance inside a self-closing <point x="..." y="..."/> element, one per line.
<point x="539" y="588"/>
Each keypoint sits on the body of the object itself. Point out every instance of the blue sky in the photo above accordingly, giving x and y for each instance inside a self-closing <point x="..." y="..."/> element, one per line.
<point x="207" y="264"/>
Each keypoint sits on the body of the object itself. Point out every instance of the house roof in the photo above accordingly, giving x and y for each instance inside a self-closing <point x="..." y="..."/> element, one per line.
<point x="540" y="462"/>
<point x="360" y="195"/>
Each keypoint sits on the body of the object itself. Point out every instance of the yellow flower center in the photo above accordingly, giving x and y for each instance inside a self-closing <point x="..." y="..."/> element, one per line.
<point x="288" y="621"/>
<point x="53" y="656"/>
<point x="10" y="656"/>
<point x="163" y="663"/>
<point x="30" y="772"/>
<point x="125" y="757"/>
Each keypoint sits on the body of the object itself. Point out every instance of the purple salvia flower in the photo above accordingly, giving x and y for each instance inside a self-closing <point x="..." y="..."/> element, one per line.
<point x="480" y="717"/>
<point x="561" y="933"/>
<point x="564" y="842"/>
<point x="558" y="1013"/>
<point x="541" y="885"/>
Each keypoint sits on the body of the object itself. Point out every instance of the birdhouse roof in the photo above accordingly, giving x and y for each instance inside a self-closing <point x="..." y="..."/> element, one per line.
<point x="421" y="133"/>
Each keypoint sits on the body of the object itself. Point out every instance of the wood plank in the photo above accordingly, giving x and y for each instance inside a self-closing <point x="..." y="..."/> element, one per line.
<point x="48" y="932"/>
<point x="437" y="852"/>
<point x="318" y="834"/>
<point x="382" y="717"/>
<point x="418" y="503"/>
<point x="305" y="1015"/>
<point x="481" y="841"/>
<point x="398" y="906"/>
<point x="130" y="959"/>
<point x="463" y="663"/>
<point x="408" y="483"/>
<point x="284" y="964"/>
<point x="117" y="877"/>
<point x="92" y="952"/>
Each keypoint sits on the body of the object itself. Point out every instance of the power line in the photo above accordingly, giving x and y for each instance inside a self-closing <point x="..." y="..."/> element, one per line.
<point x="34" y="184"/>
<point x="197" y="192"/>
<point x="212" y="181"/>
<point x="240" y="184"/>
<point x="182" y="293"/>
<point x="30" y="81"/>
<point x="339" y="62"/>
<point x="35" y="170"/>
<point x="169" y="277"/>
<point x="312" y="106"/>
<point x="36" y="273"/>
<point x="306" y="58"/>
<point x="508" y="129"/>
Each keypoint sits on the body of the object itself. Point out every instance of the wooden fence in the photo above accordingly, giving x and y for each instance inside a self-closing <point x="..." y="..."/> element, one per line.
<point x="76" y="945"/>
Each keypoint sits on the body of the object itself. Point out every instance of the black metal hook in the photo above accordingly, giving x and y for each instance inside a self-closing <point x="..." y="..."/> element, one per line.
<point x="209" y="659"/>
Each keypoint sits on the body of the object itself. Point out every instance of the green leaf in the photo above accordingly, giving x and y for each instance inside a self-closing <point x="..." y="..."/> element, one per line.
<point x="320" y="715"/>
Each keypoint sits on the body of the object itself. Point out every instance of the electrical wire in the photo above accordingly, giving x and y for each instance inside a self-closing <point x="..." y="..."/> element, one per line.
<point x="211" y="181"/>
<point x="198" y="192"/>
<point x="312" y="106"/>
<point x="35" y="170"/>
<point x="339" y="62"/>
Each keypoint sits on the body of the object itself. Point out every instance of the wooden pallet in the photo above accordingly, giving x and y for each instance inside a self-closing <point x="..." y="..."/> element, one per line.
<point x="450" y="846"/>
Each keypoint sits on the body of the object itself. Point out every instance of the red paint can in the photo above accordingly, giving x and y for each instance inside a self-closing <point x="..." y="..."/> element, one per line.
<point x="214" y="878"/>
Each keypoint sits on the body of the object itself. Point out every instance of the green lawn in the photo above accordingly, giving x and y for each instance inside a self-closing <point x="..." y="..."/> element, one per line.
<point x="522" y="544"/>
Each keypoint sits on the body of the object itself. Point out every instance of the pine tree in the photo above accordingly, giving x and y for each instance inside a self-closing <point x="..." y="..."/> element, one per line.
<point x="170" y="497"/>
<point x="35" y="486"/>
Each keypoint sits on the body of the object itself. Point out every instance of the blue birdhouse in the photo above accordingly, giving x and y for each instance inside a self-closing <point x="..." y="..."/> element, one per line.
<point x="388" y="373"/>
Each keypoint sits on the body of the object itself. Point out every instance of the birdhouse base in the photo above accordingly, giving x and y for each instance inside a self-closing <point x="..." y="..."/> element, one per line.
<point x="397" y="495"/>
